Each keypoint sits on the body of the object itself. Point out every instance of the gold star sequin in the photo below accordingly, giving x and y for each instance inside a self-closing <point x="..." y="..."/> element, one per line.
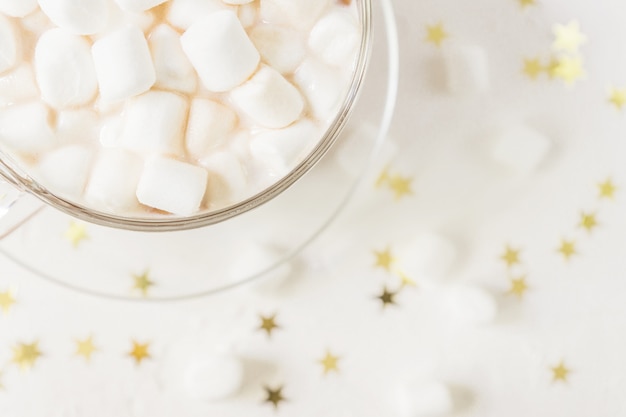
<point x="560" y="372"/>
<point x="143" y="283"/>
<point x="510" y="256"/>
<point x="526" y="3"/>
<point x="382" y="178"/>
<point x="607" y="189"/>
<point x="617" y="97"/>
<point x="330" y="363"/>
<point x="568" y="38"/>
<point x="567" y="248"/>
<point x="268" y="324"/>
<point x="76" y="233"/>
<point x="518" y="286"/>
<point x="140" y="352"/>
<point x="401" y="186"/>
<point x="588" y="221"/>
<point x="387" y="297"/>
<point x="436" y="34"/>
<point x="85" y="348"/>
<point x="25" y="355"/>
<point x="7" y="299"/>
<point x="384" y="259"/>
<point x="274" y="396"/>
<point x="532" y="68"/>
<point x="405" y="280"/>
<point x="552" y="67"/>
<point x="569" y="69"/>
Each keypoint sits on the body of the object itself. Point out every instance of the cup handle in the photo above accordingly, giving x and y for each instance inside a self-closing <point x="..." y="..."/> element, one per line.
<point x="17" y="207"/>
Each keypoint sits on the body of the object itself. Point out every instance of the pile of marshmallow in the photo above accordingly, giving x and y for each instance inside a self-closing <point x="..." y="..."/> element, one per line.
<point x="170" y="106"/>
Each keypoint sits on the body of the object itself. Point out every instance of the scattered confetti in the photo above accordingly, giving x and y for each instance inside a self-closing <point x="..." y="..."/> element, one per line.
<point x="533" y="68"/>
<point x="567" y="248"/>
<point x="401" y="186"/>
<point x="85" y="348"/>
<point x="268" y="324"/>
<point x="384" y="259"/>
<point x="140" y="352"/>
<point x="560" y="372"/>
<point x="568" y="38"/>
<point x="387" y="297"/>
<point x="76" y="233"/>
<point x="274" y="396"/>
<point x="569" y="69"/>
<point x="7" y="300"/>
<point x="518" y="286"/>
<point x="527" y="3"/>
<point x="25" y="355"/>
<point x="607" y="189"/>
<point x="330" y="363"/>
<point x="588" y="221"/>
<point x="405" y="280"/>
<point x="617" y="97"/>
<point x="510" y="256"/>
<point x="436" y="34"/>
<point x="143" y="283"/>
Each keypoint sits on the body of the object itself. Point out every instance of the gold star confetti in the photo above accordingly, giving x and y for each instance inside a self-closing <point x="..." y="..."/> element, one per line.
<point x="330" y="363"/>
<point x="405" y="280"/>
<point x="7" y="299"/>
<point x="617" y="97"/>
<point x="76" y="233"/>
<point x="140" y="352"/>
<point x="588" y="221"/>
<point x="274" y="396"/>
<point x="567" y="248"/>
<point x="26" y="354"/>
<point x="387" y="297"/>
<point x="268" y="324"/>
<point x="552" y="67"/>
<point x="143" y="283"/>
<point x="401" y="186"/>
<point x="382" y="178"/>
<point x="527" y="3"/>
<point x="532" y="68"/>
<point x="518" y="286"/>
<point x="85" y="348"/>
<point x="568" y="38"/>
<point x="436" y="34"/>
<point x="560" y="372"/>
<point x="510" y="256"/>
<point x="607" y="189"/>
<point x="569" y="69"/>
<point x="384" y="259"/>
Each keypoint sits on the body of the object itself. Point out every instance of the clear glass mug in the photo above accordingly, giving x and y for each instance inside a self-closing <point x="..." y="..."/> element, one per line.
<point x="17" y="204"/>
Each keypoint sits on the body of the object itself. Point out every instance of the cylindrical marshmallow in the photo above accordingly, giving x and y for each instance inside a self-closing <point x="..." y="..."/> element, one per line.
<point x="83" y="17"/>
<point x="123" y="64"/>
<point x="17" y="8"/>
<point x="64" y="69"/>
<point x="282" y="48"/>
<point x="213" y="377"/>
<point x="138" y="5"/>
<point x="8" y="45"/>
<point x="65" y="170"/>
<point x="298" y="13"/>
<point x="336" y="38"/>
<point x="248" y="14"/>
<point x="228" y="180"/>
<point x="269" y="99"/>
<point x="472" y="305"/>
<point x="76" y="126"/>
<point x="208" y="126"/>
<point x="184" y="13"/>
<point x="220" y="51"/>
<point x="18" y="85"/>
<point x="173" y="69"/>
<point x="322" y="86"/>
<point x="26" y="128"/>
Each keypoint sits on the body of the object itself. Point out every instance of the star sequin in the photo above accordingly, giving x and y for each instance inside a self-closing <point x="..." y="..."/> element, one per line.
<point x="518" y="286"/>
<point x="76" y="233"/>
<point x="560" y="372"/>
<point x="405" y="280"/>
<point x="552" y="67"/>
<point x="387" y="297"/>
<point x="588" y="221"/>
<point x="274" y="396"/>
<point x="268" y="324"/>
<point x="401" y="186"/>
<point x="567" y="248"/>
<point x="568" y="38"/>
<point x="617" y="97"/>
<point x="382" y="178"/>
<point x="510" y="256"/>
<point x="7" y="299"/>
<point x="527" y="3"/>
<point x="330" y="363"/>
<point x="25" y="355"/>
<point x="143" y="283"/>
<point x="569" y="69"/>
<point x="533" y="68"/>
<point x="607" y="189"/>
<point x="140" y="352"/>
<point x="384" y="259"/>
<point x="436" y="34"/>
<point x="85" y="348"/>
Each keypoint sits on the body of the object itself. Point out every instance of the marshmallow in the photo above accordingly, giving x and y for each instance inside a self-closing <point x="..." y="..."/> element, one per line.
<point x="82" y="17"/>
<point x="111" y="131"/>
<point x="77" y="126"/>
<point x="466" y="68"/>
<point x="184" y="13"/>
<point x="37" y="23"/>
<point x="269" y="99"/>
<point x="220" y="51"/>
<point x="26" y="128"/>
<point x="248" y="14"/>
<point x="521" y="149"/>
<point x="428" y="256"/>
<point x="227" y="179"/>
<point x="119" y="19"/>
<point x="18" y="85"/>
<point x="208" y="126"/>
<point x="282" y="48"/>
<point x="123" y="64"/>
<point x="257" y="258"/>
<point x="8" y="45"/>
<point x="237" y="1"/>
<point x="172" y="186"/>
<point x="173" y="69"/>
<point x="322" y="87"/>
<point x="279" y="150"/>
<point x="64" y="171"/>
<point x="427" y="399"/>
<point x="472" y="305"/>
<point x="335" y="39"/>
<point x="155" y="122"/>
<point x="114" y="179"/>
<point x="299" y="13"/>
<point x="213" y="377"/>
<point x="64" y="69"/>
<point x="138" y="5"/>
<point x="17" y="8"/>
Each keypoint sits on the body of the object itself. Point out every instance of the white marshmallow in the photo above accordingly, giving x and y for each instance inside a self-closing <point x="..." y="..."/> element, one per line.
<point x="208" y="126"/>
<point x="322" y="87"/>
<point x="237" y="1"/>
<point x="37" y="22"/>
<point x="18" y="85"/>
<point x="64" y="171"/>
<point x="429" y="256"/>
<point x="280" y="150"/>
<point x="472" y="305"/>
<point x="521" y="149"/>
<point x="111" y="131"/>
<point x="64" y="69"/>
<point x="228" y="180"/>
<point x="172" y="186"/>
<point x="119" y="19"/>
<point x="299" y="13"/>
<point x="123" y="64"/>
<point x="155" y="122"/>
<point x="220" y="51"/>
<point x="8" y="45"/>
<point x="466" y="68"/>
<point x="424" y="399"/>
<point x="184" y="13"/>
<point x="17" y="8"/>
<point x="173" y="69"/>
<point x="257" y="258"/>
<point x="77" y="126"/>
<point x="138" y="5"/>
<point x="26" y="128"/>
<point x="335" y="39"/>
<point x="82" y="17"/>
<point x="282" y="48"/>
<point x="269" y="99"/>
<point x="114" y="179"/>
<point x="248" y="14"/>
<point x="213" y="377"/>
